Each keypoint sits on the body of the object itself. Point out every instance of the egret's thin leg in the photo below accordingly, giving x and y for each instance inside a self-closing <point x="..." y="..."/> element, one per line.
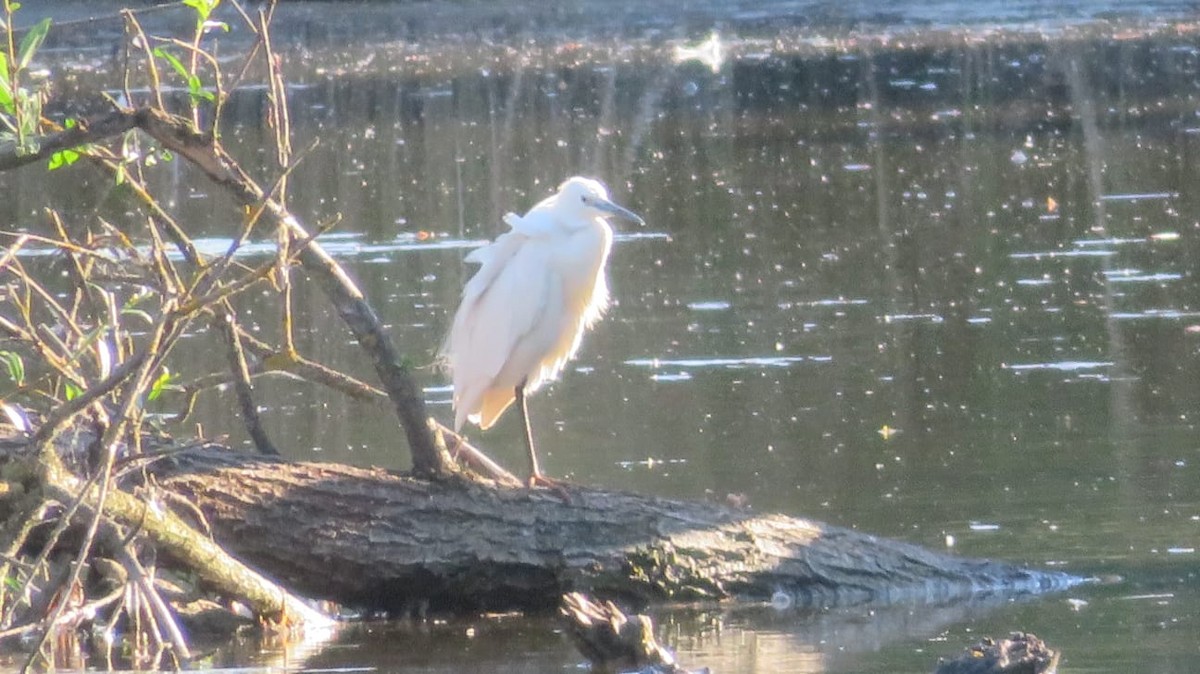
<point x="536" y="479"/>
<point x="535" y="472"/>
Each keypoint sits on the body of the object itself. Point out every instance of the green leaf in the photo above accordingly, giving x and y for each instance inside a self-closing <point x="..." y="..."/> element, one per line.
<point x="130" y="308"/>
<point x="6" y="96"/>
<point x="197" y="91"/>
<point x="63" y="158"/>
<point x="72" y="390"/>
<point x="194" y="84"/>
<point x="31" y="115"/>
<point x="69" y="156"/>
<point x="203" y="7"/>
<point x="173" y="60"/>
<point x="32" y="40"/>
<point x="161" y="384"/>
<point x="145" y="316"/>
<point x="16" y="366"/>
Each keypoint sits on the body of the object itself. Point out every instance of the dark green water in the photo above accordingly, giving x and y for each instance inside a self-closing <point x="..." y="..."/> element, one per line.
<point x="943" y="292"/>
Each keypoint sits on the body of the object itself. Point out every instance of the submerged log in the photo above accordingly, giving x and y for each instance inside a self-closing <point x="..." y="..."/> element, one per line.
<point x="612" y="640"/>
<point x="1020" y="653"/>
<point x="375" y="538"/>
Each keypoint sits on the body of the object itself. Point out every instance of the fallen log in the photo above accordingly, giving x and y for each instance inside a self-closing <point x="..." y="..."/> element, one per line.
<point x="378" y="539"/>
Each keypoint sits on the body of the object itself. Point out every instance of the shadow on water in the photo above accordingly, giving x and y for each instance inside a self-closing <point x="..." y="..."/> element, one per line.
<point x="937" y="284"/>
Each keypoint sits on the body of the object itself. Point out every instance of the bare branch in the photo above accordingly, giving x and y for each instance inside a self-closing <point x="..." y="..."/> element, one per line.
<point x="241" y="383"/>
<point x="106" y="126"/>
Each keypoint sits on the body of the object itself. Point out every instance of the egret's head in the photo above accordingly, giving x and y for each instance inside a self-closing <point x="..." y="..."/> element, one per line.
<point x="589" y="198"/>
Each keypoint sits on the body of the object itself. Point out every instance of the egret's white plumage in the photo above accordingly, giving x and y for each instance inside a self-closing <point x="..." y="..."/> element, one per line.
<point x="540" y="285"/>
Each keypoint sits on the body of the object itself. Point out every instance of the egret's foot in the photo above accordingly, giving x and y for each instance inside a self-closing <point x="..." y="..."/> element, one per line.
<point x="557" y="486"/>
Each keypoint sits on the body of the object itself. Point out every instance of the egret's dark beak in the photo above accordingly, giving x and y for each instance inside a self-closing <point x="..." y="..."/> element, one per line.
<point x="609" y="208"/>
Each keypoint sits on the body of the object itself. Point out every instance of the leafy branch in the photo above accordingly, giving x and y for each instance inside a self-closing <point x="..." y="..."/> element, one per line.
<point x="20" y="108"/>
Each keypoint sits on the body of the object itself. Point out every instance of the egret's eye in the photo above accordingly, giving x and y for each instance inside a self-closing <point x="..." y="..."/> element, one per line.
<point x="583" y="198"/>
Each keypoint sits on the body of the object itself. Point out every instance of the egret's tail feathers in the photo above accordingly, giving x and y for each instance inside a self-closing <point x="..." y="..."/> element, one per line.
<point x="494" y="402"/>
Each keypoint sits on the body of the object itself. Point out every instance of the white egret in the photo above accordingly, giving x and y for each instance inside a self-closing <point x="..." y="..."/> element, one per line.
<point x="539" y="287"/>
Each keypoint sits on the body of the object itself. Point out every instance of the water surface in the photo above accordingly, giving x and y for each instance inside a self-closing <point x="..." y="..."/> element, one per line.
<point x="940" y="288"/>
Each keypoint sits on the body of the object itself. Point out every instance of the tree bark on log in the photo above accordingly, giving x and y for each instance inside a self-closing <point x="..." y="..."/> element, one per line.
<point x="378" y="539"/>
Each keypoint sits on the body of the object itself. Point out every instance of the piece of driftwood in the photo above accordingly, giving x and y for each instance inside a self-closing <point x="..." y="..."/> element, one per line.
<point x="376" y="538"/>
<point x="612" y="640"/>
<point x="1020" y="653"/>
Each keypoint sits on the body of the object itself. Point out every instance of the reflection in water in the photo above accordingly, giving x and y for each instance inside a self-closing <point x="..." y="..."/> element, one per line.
<point x="982" y="243"/>
<point x="751" y="640"/>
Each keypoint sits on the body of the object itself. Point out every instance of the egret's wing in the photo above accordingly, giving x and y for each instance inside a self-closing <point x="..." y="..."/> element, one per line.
<point x="536" y="224"/>
<point x="512" y="220"/>
<point x="493" y="258"/>
<point x="533" y="226"/>
<point x="501" y="305"/>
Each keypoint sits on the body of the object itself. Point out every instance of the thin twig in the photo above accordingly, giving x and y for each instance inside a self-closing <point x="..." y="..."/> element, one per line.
<point x="14" y="248"/>
<point x="79" y="612"/>
<point x="137" y="574"/>
<point x="155" y="81"/>
<point x="174" y="231"/>
<point x="108" y="443"/>
<point x="30" y="519"/>
<point x="279" y="105"/>
<point x="241" y="384"/>
<point x="79" y="274"/>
